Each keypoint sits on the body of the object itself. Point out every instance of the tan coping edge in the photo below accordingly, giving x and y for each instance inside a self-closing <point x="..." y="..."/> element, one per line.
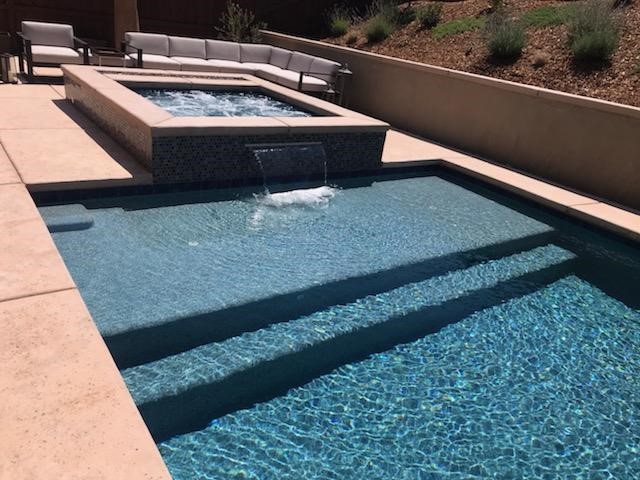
<point x="530" y="90"/>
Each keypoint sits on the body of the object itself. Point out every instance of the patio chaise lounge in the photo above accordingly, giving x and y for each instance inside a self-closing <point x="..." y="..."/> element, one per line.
<point x="295" y="70"/>
<point x="49" y="44"/>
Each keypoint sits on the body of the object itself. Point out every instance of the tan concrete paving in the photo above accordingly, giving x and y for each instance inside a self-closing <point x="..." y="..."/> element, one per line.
<point x="403" y="147"/>
<point x="8" y="173"/>
<point x="30" y="113"/>
<point x="29" y="91"/>
<point x="29" y="260"/>
<point x="66" y="413"/>
<point x="75" y="157"/>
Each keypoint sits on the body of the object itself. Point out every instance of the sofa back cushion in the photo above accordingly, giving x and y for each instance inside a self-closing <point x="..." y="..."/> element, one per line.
<point x="221" y="50"/>
<point x="280" y="57"/>
<point x="52" y="34"/>
<point x="300" y="62"/>
<point x="187" y="47"/>
<point x="153" y="43"/>
<point x="324" y="69"/>
<point x="254" y="53"/>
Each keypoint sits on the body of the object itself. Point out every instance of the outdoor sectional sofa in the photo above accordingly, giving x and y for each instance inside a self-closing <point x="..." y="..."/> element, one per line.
<point x="295" y="70"/>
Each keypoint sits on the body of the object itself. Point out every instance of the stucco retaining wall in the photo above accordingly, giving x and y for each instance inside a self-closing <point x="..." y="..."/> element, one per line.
<point x="588" y="145"/>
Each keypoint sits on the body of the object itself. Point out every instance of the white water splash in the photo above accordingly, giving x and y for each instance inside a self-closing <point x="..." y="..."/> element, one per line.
<point x="289" y="206"/>
<point x="310" y="197"/>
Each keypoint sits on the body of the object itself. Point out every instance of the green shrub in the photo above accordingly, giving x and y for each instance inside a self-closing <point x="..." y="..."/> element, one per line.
<point x="407" y="15"/>
<point x="429" y="16"/>
<point x="340" y="19"/>
<point x="547" y="16"/>
<point x="505" y="37"/>
<point x="239" y="25"/>
<point x="378" y="28"/>
<point x="386" y="9"/>
<point x="593" y="31"/>
<point x="459" y="25"/>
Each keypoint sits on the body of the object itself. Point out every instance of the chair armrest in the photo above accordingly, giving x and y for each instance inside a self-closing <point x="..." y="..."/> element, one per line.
<point x="310" y="73"/>
<point x="139" y="62"/>
<point x="78" y="42"/>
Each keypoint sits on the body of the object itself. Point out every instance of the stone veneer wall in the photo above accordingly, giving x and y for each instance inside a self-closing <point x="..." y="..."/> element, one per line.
<point x="130" y="132"/>
<point x="228" y="158"/>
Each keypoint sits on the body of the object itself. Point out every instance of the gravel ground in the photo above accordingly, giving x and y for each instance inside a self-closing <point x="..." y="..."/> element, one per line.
<point x="617" y="82"/>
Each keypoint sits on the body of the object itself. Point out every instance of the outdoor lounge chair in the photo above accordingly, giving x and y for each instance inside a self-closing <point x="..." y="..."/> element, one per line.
<point x="49" y="45"/>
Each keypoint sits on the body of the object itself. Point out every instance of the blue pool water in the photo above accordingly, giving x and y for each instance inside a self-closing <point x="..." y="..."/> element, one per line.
<point x="220" y="103"/>
<point x="387" y="328"/>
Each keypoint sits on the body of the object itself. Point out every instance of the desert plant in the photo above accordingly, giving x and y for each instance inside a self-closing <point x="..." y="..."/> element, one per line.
<point x="378" y="28"/>
<point x="505" y="36"/>
<point x="459" y="25"/>
<point x="593" y="31"/>
<point x="386" y="9"/>
<point x="239" y="25"/>
<point x="407" y="15"/>
<point x="429" y="16"/>
<point x="340" y="19"/>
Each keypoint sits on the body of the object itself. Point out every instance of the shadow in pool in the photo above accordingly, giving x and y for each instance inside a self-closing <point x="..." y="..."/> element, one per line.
<point x="194" y="409"/>
<point x="141" y="346"/>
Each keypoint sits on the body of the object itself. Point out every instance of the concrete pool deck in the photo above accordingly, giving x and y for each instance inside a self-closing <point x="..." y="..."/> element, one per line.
<point x="66" y="411"/>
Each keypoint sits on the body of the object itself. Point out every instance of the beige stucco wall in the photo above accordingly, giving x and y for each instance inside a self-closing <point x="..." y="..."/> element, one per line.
<point x="588" y="145"/>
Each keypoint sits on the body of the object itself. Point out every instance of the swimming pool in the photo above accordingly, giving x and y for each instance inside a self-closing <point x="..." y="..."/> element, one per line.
<point x="393" y="327"/>
<point x="220" y="103"/>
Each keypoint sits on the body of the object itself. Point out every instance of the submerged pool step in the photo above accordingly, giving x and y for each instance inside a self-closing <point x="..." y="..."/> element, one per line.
<point x="66" y="218"/>
<point x="185" y="391"/>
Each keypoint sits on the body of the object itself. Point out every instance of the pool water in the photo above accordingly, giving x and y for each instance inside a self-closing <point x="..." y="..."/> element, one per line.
<point x="385" y="327"/>
<point x="220" y="103"/>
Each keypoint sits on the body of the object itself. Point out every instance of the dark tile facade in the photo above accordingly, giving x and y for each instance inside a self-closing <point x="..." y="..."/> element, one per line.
<point x="202" y="158"/>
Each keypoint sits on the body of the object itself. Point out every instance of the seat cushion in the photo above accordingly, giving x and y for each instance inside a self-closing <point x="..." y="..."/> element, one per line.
<point x="280" y="57"/>
<point x="263" y="68"/>
<point x="187" y="47"/>
<point x="156" y="61"/>
<point x="254" y="53"/>
<point x="290" y="79"/>
<point x="153" y="43"/>
<point x="47" y="54"/>
<point x="324" y="69"/>
<point x="300" y="62"/>
<point x="221" y="50"/>
<point x="51" y="34"/>
<point x="192" y="64"/>
<point x="227" y="66"/>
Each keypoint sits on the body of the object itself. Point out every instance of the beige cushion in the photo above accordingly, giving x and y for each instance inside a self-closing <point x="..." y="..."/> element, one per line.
<point x="280" y="57"/>
<point x="153" y="43"/>
<point x="156" y="61"/>
<point x="47" y="54"/>
<point x="220" y="50"/>
<point x="227" y="66"/>
<point x="254" y="53"/>
<point x="52" y="34"/>
<point x="192" y="64"/>
<point x="263" y="68"/>
<point x="324" y="69"/>
<point x="290" y="79"/>
<point x="187" y="47"/>
<point x="300" y="62"/>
